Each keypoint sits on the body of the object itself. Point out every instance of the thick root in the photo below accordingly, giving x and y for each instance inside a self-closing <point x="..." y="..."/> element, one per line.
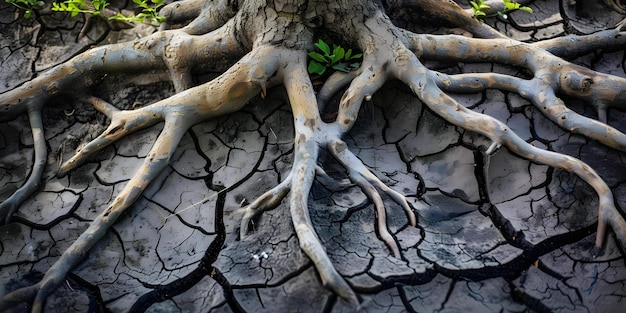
<point x="545" y="101"/>
<point x="164" y="50"/>
<point x="227" y="93"/>
<point x="361" y="176"/>
<point x="174" y="51"/>
<point x="311" y="134"/>
<point x="424" y="84"/>
<point x="205" y="16"/>
<point x="451" y="13"/>
<point x="267" y="201"/>
<point x="217" y="32"/>
<point x="550" y="72"/>
<point x="11" y="204"/>
<point x="552" y="75"/>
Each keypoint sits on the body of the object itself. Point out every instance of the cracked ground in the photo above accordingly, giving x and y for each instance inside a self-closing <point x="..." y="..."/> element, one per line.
<point x="500" y="234"/>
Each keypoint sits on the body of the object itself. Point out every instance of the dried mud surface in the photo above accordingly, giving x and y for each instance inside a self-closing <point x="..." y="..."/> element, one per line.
<point x="500" y="234"/>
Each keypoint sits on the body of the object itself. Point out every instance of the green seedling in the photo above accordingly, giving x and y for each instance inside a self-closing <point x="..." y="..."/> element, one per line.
<point x="480" y="9"/>
<point x="74" y="7"/>
<point x="27" y="6"/>
<point x="148" y="14"/>
<point x="338" y="59"/>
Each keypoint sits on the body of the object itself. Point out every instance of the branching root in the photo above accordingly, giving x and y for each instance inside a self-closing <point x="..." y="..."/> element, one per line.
<point x="225" y="94"/>
<point x="213" y="32"/>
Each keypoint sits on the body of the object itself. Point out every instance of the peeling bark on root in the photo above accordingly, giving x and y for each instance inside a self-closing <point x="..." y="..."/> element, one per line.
<point x="271" y="41"/>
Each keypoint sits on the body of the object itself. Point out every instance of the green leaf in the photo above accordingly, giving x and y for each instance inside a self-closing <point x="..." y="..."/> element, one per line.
<point x="356" y="56"/>
<point x="318" y="57"/>
<point x="338" y="54"/>
<point x="526" y="9"/>
<point x="340" y="67"/>
<point x="479" y="7"/>
<point x="103" y="4"/>
<point x="118" y="17"/>
<point x="316" y="68"/>
<point x="475" y="6"/>
<point x="348" y="54"/>
<point x="323" y="46"/>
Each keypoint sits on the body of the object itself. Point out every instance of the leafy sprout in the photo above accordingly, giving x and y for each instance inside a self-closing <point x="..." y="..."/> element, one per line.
<point x="480" y="9"/>
<point x="338" y="59"/>
<point x="148" y="14"/>
<point x="27" y="5"/>
<point x="74" y="7"/>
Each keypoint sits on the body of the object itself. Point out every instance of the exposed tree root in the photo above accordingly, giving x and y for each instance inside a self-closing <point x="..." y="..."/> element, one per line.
<point x="226" y="94"/>
<point x="205" y="16"/>
<point x="159" y="51"/>
<point x="271" y="57"/>
<point x="11" y="204"/>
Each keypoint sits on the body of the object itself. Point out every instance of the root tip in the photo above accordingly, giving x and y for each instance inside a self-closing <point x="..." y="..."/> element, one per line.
<point x="243" y="232"/>
<point x="62" y="172"/>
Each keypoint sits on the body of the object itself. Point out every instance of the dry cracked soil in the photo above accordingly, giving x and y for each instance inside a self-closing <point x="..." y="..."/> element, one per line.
<point x="500" y="234"/>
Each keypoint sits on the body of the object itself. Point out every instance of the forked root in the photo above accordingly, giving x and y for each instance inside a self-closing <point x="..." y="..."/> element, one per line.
<point x="388" y="53"/>
<point x="267" y="201"/>
<point x="160" y="51"/>
<point x="423" y="82"/>
<point x="299" y="182"/>
<point x="304" y="172"/>
<point x="225" y="94"/>
<point x="361" y="176"/>
<point x="311" y="134"/>
<point x="205" y="15"/>
<point x="9" y="206"/>
<point x="543" y="98"/>
<point x="357" y="173"/>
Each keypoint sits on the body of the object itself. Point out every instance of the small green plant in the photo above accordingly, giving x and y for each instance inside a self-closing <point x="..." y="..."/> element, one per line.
<point x="148" y="14"/>
<point x="337" y="59"/>
<point x="74" y="7"/>
<point x="480" y="9"/>
<point x="27" y="5"/>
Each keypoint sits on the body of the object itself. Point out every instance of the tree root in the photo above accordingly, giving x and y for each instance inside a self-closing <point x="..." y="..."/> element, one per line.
<point x="368" y="182"/>
<point x="547" y="103"/>
<point x="279" y="57"/>
<point x="226" y="94"/>
<point x="311" y="133"/>
<point x="499" y="133"/>
<point x="205" y="16"/>
<point x="552" y="75"/>
<point x="267" y="201"/>
<point x="9" y="206"/>
<point x="153" y="52"/>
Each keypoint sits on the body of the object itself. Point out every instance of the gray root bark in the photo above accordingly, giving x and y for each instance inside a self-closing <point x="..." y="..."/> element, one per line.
<point x="269" y="41"/>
